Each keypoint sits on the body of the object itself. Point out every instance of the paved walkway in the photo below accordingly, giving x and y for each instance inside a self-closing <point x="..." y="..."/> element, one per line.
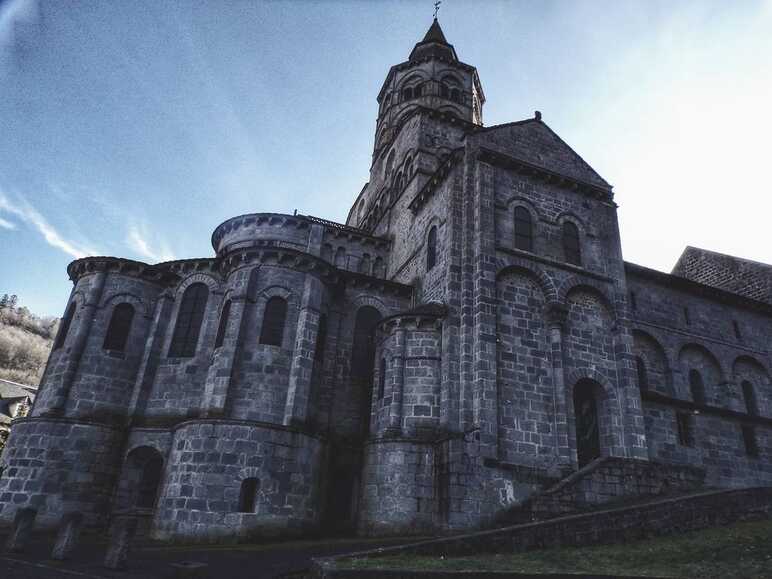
<point x="258" y="561"/>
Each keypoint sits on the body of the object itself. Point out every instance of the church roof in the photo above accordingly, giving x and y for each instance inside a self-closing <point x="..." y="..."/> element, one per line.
<point x="532" y="141"/>
<point x="727" y="272"/>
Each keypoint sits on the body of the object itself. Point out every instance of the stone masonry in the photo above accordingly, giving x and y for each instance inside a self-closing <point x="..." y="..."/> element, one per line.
<point x="468" y="339"/>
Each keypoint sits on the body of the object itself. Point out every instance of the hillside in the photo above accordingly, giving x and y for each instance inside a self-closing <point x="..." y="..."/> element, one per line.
<point x="25" y="342"/>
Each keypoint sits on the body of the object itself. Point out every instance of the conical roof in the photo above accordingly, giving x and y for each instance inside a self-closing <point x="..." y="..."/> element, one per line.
<point x="434" y="45"/>
<point x="434" y="34"/>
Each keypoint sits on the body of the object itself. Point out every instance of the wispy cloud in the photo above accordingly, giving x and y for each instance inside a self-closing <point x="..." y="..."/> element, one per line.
<point x="13" y="13"/>
<point x="137" y="239"/>
<point x="22" y="209"/>
<point x="7" y="224"/>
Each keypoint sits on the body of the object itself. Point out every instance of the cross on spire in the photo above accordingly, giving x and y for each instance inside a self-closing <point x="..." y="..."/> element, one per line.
<point x="437" y="8"/>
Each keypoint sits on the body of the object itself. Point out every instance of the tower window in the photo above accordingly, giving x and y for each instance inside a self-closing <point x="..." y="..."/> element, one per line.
<point x="643" y="380"/>
<point x="749" y="440"/>
<point x="61" y="335"/>
<point x="248" y="495"/>
<point x="523" y="229"/>
<point x="571" y="248"/>
<point x="687" y="317"/>
<point x="272" y="332"/>
<point x="407" y="93"/>
<point x="750" y="398"/>
<point x="418" y="91"/>
<point x="633" y="301"/>
<point x="444" y="91"/>
<point x="684" y="424"/>
<point x="382" y="379"/>
<point x="431" y="249"/>
<point x="696" y="387"/>
<point x="189" y="319"/>
<point x="455" y="95"/>
<point x="223" y="326"/>
<point x="737" y="333"/>
<point x="119" y="327"/>
<point x="321" y="338"/>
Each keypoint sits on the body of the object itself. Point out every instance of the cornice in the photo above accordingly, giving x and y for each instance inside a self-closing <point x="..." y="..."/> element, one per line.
<point x="245" y="220"/>
<point x="688" y="405"/>
<point x="157" y="274"/>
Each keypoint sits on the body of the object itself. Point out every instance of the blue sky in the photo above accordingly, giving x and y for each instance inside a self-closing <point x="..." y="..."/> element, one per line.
<point x="135" y="128"/>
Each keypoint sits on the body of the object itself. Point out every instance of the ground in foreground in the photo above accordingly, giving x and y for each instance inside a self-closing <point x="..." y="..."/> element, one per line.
<point x="743" y="550"/>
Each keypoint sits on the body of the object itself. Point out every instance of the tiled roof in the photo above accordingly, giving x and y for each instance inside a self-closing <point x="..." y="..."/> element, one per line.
<point x="743" y="277"/>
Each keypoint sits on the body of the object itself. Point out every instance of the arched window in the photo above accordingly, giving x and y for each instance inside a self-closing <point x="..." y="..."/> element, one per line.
<point x="321" y="338"/>
<point x="643" y="379"/>
<point x="340" y="257"/>
<point x="750" y="398"/>
<point x="444" y="91"/>
<point x="398" y="182"/>
<point x="696" y="387"/>
<point x="248" y="495"/>
<point x="119" y="327"/>
<point x="389" y="165"/>
<point x="571" y="248"/>
<point x="189" y="319"/>
<point x="223" y="325"/>
<point x="382" y="379"/>
<point x="274" y="316"/>
<point x="64" y="328"/>
<point x="418" y="90"/>
<point x="431" y="248"/>
<point x="523" y="229"/>
<point x="407" y="93"/>
<point x="150" y="480"/>
<point x="363" y="361"/>
<point x="364" y="264"/>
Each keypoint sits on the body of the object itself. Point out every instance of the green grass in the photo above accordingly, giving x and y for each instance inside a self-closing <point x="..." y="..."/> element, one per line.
<point x="741" y="550"/>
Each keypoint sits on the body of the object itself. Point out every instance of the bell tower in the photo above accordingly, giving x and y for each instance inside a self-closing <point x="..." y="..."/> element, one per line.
<point x="425" y="106"/>
<point x="432" y="78"/>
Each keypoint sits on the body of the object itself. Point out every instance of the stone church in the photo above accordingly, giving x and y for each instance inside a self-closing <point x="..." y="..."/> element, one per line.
<point x="468" y="339"/>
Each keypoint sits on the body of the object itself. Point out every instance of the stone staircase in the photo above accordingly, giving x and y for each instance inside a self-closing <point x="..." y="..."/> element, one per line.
<point x="606" y="482"/>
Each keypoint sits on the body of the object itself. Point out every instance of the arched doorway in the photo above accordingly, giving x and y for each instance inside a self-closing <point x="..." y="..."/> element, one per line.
<point x="586" y="417"/>
<point x="141" y="480"/>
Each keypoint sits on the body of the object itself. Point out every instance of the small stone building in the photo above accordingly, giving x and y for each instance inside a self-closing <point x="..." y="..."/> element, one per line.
<point x="470" y="336"/>
<point x="15" y="402"/>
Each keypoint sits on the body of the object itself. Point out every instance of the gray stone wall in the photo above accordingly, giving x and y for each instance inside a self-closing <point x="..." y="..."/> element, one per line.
<point x="671" y="348"/>
<point x="58" y="466"/>
<point x="209" y="460"/>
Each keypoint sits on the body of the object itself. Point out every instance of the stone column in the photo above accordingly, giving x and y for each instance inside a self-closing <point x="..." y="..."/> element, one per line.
<point x="122" y="532"/>
<point x="296" y="407"/>
<point x="218" y="378"/>
<point x="23" y="525"/>
<point x="87" y="315"/>
<point x="67" y="536"/>
<point x="556" y="319"/>
<point x="394" y="427"/>
<point x="153" y="351"/>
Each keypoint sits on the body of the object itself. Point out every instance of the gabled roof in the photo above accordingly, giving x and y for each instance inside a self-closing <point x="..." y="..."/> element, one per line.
<point x="10" y="389"/>
<point x="532" y="141"/>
